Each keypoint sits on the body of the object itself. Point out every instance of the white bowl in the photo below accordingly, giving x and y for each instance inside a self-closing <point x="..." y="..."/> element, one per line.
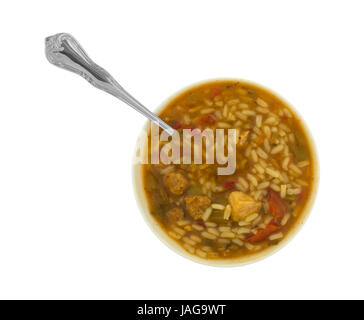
<point x="253" y="257"/>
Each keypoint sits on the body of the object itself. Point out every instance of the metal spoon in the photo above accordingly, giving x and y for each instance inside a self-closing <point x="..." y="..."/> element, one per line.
<point x="65" y="52"/>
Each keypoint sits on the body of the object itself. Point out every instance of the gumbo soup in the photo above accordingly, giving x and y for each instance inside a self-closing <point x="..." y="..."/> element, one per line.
<point x="231" y="216"/>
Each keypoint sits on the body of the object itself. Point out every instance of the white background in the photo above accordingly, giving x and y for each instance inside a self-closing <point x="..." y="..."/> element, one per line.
<point x="69" y="224"/>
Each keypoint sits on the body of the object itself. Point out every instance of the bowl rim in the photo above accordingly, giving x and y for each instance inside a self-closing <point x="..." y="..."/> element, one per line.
<point x="142" y="203"/>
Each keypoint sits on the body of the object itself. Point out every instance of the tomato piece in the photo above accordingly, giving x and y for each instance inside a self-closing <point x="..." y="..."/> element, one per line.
<point x="229" y="184"/>
<point x="194" y="133"/>
<point x="191" y="127"/>
<point x="263" y="234"/>
<point x="277" y="206"/>
<point x="302" y="195"/>
<point x="176" y="125"/>
<point x="200" y="223"/>
<point x="208" y="119"/>
<point x="212" y="118"/>
<point x="215" y="92"/>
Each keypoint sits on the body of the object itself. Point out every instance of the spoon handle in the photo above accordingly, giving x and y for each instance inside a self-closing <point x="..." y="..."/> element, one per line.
<point x="65" y="52"/>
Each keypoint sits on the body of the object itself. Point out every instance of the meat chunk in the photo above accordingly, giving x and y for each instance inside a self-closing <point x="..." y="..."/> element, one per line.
<point x="175" y="182"/>
<point x="242" y="205"/>
<point x="175" y="214"/>
<point x="197" y="205"/>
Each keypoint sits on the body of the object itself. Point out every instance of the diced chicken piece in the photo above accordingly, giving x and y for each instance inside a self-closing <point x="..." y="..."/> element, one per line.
<point x="242" y="205"/>
<point x="242" y="137"/>
<point x="175" y="214"/>
<point x="175" y="182"/>
<point x="196" y="205"/>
